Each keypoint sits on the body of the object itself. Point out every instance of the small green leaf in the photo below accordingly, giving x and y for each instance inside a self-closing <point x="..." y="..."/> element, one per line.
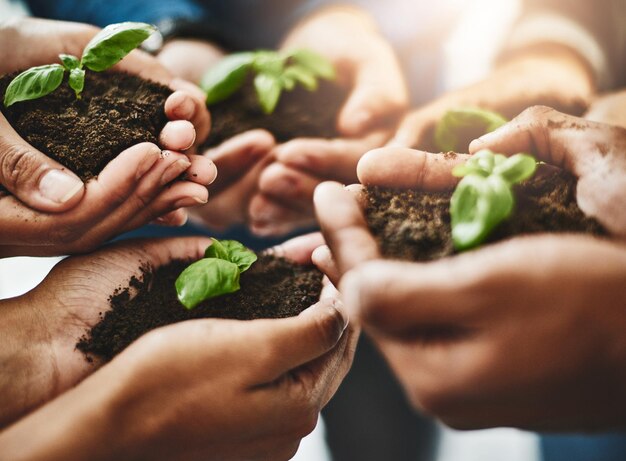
<point x="303" y="75"/>
<point x="269" y="62"/>
<point x="69" y="62"/>
<point x="477" y="206"/>
<point x="207" y="279"/>
<point x="517" y="168"/>
<point x="314" y="63"/>
<point x="77" y="81"/>
<point x="113" y="43"/>
<point x="481" y="163"/>
<point x="233" y="251"/>
<point x="239" y="254"/>
<point x="226" y="77"/>
<point x="268" y="88"/>
<point x="462" y="125"/>
<point x="34" y="83"/>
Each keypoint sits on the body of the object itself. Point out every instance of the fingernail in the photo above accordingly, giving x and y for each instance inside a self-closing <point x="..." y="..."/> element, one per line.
<point x="59" y="186"/>
<point x="189" y="202"/>
<point x="175" y="170"/>
<point x="148" y="162"/>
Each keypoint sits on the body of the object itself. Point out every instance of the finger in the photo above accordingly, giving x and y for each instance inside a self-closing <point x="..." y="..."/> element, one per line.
<point x="268" y="217"/>
<point x="176" y="218"/>
<point x="289" y="186"/>
<point x="201" y="171"/>
<point x="178" y="135"/>
<point x="548" y="134"/>
<point x="299" y="249"/>
<point x="417" y="130"/>
<point x="237" y="155"/>
<point x="290" y="343"/>
<point x="187" y="104"/>
<point x="179" y="195"/>
<point x="334" y="159"/>
<point x="409" y="169"/>
<point x="379" y="96"/>
<point x="403" y="298"/>
<point x="322" y="257"/>
<point x="344" y="227"/>
<point x="34" y="178"/>
<point x="229" y="206"/>
<point x="94" y="217"/>
<point x="145" y="66"/>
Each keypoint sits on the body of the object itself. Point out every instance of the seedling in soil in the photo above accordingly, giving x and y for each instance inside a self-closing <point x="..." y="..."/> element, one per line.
<point x="106" y="49"/>
<point x="484" y="197"/>
<point x="274" y="72"/>
<point x="215" y="275"/>
<point x="450" y="129"/>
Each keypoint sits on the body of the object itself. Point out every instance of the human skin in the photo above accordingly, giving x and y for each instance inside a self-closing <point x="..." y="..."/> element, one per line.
<point x="273" y="193"/>
<point x="202" y="389"/>
<point x="366" y="63"/>
<point x="42" y="190"/>
<point x="545" y="74"/>
<point x="609" y="108"/>
<point x="525" y="333"/>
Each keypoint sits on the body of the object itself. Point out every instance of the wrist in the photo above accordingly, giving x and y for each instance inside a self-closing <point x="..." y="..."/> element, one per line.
<point x="28" y="377"/>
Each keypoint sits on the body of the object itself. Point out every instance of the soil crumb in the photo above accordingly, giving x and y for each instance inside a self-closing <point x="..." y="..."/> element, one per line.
<point x="272" y="288"/>
<point x="415" y="225"/>
<point x="116" y="111"/>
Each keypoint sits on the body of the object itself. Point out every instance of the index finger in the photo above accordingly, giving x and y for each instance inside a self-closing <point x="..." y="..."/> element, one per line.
<point x="344" y="226"/>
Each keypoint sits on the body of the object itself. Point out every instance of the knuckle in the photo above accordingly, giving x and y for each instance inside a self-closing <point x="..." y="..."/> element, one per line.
<point x="17" y="164"/>
<point x="538" y="112"/>
<point x="327" y="328"/>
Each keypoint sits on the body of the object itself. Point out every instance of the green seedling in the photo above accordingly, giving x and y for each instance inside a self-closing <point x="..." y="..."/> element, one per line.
<point x="274" y="72"/>
<point x="216" y="274"/>
<point x="456" y="124"/>
<point x="105" y="50"/>
<point x="484" y="197"/>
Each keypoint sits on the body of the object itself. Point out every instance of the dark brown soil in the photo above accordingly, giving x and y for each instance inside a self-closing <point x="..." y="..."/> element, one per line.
<point x="300" y="113"/>
<point x="272" y="288"/>
<point x="415" y="225"/>
<point x="116" y="111"/>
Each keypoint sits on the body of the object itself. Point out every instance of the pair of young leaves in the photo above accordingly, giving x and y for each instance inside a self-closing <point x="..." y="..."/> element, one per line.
<point x="105" y="50"/>
<point x="215" y="275"/>
<point x="274" y="71"/>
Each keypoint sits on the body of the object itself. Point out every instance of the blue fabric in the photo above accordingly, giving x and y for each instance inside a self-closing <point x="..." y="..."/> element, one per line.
<point x="104" y="12"/>
<point x="258" y="23"/>
<point x="604" y="447"/>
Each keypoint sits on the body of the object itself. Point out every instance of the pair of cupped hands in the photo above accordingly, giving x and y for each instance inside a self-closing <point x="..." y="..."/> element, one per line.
<point x="208" y="389"/>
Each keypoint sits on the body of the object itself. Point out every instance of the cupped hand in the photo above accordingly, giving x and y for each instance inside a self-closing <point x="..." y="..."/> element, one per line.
<point x="451" y="329"/>
<point x="593" y="152"/>
<point x="548" y="75"/>
<point x="51" y="211"/>
<point x="367" y="65"/>
<point x="212" y="389"/>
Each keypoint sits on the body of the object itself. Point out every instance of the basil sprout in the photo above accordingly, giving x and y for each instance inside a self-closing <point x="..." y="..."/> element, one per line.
<point x="274" y="72"/>
<point x="484" y="197"/>
<point x="458" y="124"/>
<point x="218" y="273"/>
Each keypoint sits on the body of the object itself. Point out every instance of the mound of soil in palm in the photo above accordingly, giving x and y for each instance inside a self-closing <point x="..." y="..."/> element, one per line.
<point x="300" y="113"/>
<point x="414" y="225"/>
<point x="116" y="111"/>
<point x="272" y="288"/>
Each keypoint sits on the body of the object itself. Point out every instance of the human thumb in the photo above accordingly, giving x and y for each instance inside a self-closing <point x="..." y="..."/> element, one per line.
<point x="32" y="177"/>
